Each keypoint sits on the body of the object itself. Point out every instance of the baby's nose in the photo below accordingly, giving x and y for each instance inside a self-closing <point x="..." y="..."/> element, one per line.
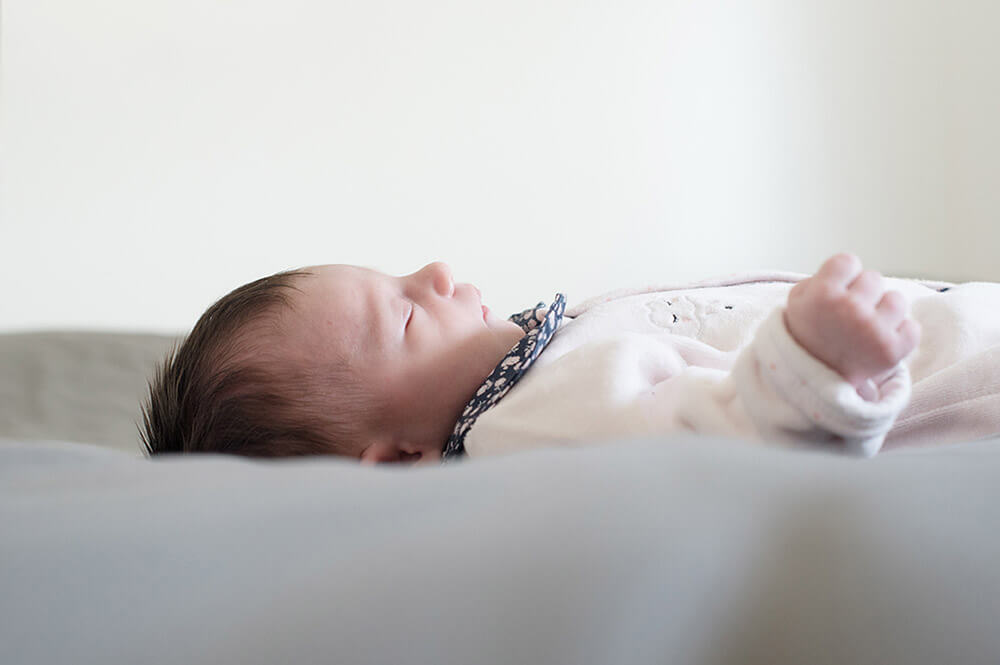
<point x="441" y="278"/>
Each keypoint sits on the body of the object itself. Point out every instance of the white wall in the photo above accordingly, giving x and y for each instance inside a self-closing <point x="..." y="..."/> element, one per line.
<point x="156" y="154"/>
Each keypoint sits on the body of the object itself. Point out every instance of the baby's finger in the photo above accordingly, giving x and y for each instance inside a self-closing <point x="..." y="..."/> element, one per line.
<point x="909" y="337"/>
<point x="866" y="287"/>
<point x="840" y="269"/>
<point x="799" y="289"/>
<point x="891" y="309"/>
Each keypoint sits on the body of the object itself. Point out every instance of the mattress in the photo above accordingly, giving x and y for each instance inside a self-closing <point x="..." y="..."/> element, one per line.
<point x="674" y="550"/>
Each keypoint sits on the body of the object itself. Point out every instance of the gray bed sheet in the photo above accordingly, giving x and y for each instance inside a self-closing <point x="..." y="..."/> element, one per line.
<point x="673" y="550"/>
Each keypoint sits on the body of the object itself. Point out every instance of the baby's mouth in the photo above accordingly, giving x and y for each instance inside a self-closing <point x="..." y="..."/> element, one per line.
<point x="486" y="311"/>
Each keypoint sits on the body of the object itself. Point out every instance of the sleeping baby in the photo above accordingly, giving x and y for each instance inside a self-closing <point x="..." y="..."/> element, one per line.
<point x="349" y="361"/>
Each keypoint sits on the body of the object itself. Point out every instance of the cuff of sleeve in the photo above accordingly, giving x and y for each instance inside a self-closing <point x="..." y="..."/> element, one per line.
<point x="824" y="396"/>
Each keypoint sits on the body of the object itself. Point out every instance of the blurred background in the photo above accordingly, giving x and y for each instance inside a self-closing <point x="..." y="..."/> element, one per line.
<point x="157" y="154"/>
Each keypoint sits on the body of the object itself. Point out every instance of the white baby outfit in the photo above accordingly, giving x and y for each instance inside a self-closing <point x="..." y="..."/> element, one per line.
<point x="716" y="357"/>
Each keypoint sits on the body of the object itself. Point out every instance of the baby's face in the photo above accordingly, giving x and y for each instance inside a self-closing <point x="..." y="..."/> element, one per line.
<point x="424" y="342"/>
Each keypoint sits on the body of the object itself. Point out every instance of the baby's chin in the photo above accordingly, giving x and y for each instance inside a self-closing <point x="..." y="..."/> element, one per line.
<point x="494" y="321"/>
<point x="507" y="330"/>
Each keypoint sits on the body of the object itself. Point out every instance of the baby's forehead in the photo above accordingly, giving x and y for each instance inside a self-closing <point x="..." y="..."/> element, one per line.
<point x="343" y="271"/>
<point x="336" y="308"/>
<point x="340" y="282"/>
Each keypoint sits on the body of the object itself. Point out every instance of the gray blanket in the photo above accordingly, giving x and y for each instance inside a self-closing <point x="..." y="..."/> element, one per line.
<point x="680" y="550"/>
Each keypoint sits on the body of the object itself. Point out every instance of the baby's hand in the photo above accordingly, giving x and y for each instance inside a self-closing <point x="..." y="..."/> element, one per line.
<point x="844" y="317"/>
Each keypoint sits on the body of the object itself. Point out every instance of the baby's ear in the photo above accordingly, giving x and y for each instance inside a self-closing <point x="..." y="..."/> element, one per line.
<point x="379" y="452"/>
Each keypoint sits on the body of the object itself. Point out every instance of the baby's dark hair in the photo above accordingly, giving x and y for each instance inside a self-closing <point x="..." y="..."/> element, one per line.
<point x="228" y="387"/>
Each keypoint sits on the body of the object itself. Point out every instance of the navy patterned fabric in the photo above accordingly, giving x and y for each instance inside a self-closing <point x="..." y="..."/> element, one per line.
<point x="539" y="323"/>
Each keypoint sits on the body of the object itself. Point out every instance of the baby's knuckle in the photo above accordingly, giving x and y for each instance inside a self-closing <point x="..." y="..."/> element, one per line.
<point x="844" y="261"/>
<point x="893" y="297"/>
<point x="893" y="301"/>
<point x="872" y="277"/>
<point x="842" y="257"/>
<point x="869" y="328"/>
<point x="848" y="306"/>
<point x="862" y="305"/>
<point x="826" y="292"/>
<point x="887" y="348"/>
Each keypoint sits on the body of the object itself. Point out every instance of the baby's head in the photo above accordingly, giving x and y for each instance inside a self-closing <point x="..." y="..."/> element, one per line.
<point x="328" y="360"/>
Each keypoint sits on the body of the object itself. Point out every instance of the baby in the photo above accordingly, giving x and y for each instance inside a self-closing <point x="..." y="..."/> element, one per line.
<point x="348" y="361"/>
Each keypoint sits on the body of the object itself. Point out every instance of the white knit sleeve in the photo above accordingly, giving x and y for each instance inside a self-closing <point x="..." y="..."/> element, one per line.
<point x="789" y="393"/>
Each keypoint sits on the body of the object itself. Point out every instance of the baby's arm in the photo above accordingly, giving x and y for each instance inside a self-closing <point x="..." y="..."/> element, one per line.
<point x="807" y="373"/>
<point x="844" y="317"/>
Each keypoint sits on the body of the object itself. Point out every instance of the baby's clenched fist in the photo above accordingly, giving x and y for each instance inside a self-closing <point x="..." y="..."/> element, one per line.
<point x="844" y="317"/>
